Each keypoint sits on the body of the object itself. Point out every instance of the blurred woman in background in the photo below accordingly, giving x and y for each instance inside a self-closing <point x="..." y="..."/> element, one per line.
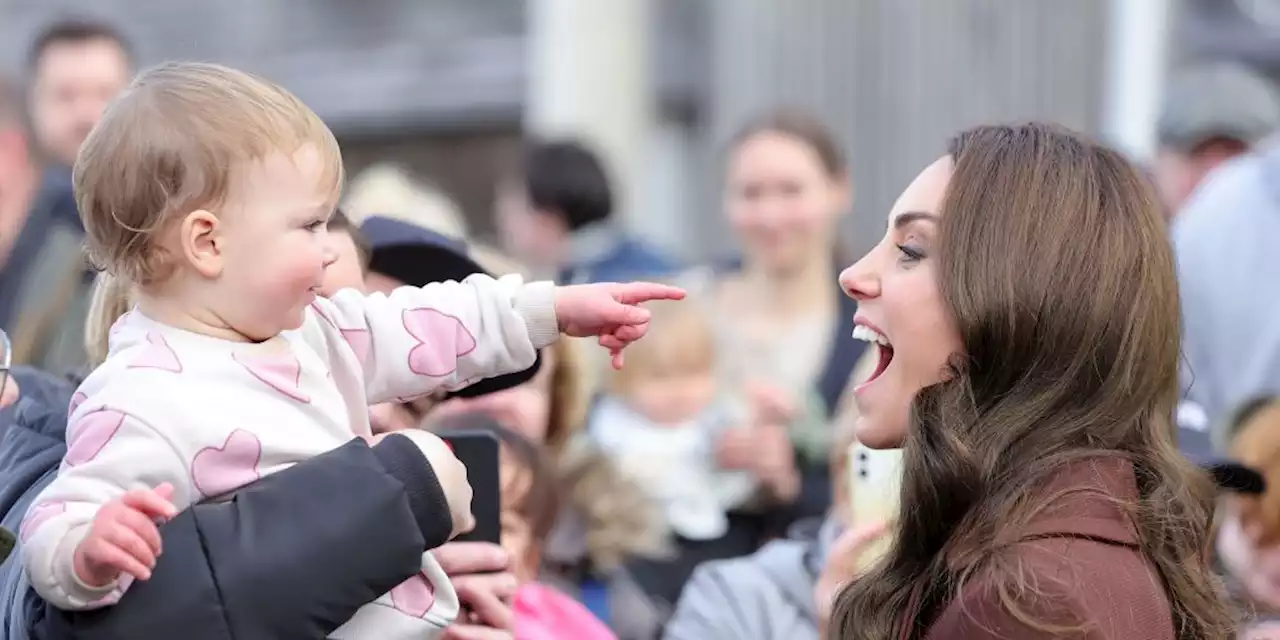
<point x="787" y="189"/>
<point x="787" y="352"/>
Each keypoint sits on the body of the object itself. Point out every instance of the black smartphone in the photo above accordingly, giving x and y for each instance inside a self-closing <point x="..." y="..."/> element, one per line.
<point x="478" y="451"/>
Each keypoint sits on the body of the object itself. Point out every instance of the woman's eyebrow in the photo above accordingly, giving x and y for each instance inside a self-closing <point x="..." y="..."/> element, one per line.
<point x="907" y="217"/>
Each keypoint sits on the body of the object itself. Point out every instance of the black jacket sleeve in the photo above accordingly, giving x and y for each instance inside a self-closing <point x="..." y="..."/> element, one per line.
<point x="292" y="556"/>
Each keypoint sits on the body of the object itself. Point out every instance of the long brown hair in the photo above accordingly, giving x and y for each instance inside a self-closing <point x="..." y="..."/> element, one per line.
<point x="1054" y="261"/>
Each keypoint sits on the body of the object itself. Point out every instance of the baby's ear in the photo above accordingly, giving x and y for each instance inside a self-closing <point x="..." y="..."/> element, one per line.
<point x="7" y="541"/>
<point x="198" y="243"/>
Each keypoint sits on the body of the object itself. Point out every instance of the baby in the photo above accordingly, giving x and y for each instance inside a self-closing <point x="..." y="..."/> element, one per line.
<point x="208" y="192"/>
<point x="1248" y="536"/>
<point x="659" y="420"/>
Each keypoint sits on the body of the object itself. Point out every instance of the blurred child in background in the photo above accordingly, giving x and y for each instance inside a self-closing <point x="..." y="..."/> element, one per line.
<point x="659" y="419"/>
<point x="1248" y="540"/>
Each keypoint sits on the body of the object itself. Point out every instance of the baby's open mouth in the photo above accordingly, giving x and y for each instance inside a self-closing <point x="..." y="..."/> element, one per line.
<point x="866" y="333"/>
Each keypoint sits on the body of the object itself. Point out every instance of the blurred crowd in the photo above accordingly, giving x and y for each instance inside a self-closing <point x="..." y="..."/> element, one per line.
<point x="697" y="492"/>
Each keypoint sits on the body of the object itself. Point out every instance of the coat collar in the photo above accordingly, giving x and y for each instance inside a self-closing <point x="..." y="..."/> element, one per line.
<point x="1085" y="499"/>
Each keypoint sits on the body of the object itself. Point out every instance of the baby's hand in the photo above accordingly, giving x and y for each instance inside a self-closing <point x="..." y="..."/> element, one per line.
<point x="124" y="538"/>
<point x="610" y="311"/>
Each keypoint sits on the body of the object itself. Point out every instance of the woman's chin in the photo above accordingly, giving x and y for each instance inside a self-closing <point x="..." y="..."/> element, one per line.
<point x="875" y="434"/>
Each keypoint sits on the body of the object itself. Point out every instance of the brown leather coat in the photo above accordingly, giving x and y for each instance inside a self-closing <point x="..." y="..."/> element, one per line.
<point x="1082" y="556"/>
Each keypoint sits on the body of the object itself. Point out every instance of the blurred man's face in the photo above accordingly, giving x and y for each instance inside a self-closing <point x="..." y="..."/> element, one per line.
<point x="73" y="83"/>
<point x="1179" y="173"/>
<point x="533" y="237"/>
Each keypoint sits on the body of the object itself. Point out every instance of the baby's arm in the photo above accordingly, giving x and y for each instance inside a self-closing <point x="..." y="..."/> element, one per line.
<point x="444" y="335"/>
<point x="109" y="452"/>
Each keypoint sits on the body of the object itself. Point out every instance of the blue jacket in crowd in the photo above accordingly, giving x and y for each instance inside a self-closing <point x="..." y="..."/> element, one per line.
<point x="602" y="253"/>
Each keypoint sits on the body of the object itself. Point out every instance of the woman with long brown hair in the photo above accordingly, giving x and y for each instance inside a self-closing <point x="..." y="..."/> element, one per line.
<point x="1024" y="307"/>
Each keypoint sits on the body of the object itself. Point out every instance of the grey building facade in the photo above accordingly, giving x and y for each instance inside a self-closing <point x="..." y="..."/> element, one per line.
<point x="439" y="85"/>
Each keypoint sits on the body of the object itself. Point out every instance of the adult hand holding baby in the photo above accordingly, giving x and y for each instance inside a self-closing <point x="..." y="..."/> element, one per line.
<point x="450" y="471"/>
<point x="124" y="538"/>
<point x="610" y="311"/>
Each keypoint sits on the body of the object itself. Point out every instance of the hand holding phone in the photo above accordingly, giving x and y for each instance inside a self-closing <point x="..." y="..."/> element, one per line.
<point x="875" y="484"/>
<point x="478" y="450"/>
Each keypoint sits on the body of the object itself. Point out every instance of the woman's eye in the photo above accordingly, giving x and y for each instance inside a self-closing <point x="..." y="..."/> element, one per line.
<point x="791" y="189"/>
<point x="909" y="253"/>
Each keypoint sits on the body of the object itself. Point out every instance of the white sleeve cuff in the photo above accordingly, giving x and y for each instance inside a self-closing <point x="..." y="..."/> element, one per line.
<point x="65" y="571"/>
<point x="536" y="303"/>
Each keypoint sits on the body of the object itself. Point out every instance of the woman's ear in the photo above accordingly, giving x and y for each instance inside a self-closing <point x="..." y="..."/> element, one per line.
<point x="199" y="237"/>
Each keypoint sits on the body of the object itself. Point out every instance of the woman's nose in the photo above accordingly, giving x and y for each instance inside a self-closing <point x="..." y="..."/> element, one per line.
<point x="859" y="280"/>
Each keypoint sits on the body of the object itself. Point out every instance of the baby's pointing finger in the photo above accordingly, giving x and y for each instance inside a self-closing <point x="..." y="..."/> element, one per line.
<point x="631" y="332"/>
<point x="637" y="292"/>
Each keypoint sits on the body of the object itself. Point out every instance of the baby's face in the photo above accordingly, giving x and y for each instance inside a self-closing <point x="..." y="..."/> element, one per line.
<point x="671" y="397"/>
<point x="270" y="246"/>
<point x="1257" y="568"/>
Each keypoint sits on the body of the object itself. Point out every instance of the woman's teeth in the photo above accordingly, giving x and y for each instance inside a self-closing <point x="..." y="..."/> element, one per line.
<point x="867" y="334"/>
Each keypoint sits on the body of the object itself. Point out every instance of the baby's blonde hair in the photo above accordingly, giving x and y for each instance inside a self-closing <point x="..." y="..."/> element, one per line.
<point x="680" y="337"/>
<point x="111" y="299"/>
<point x="172" y="143"/>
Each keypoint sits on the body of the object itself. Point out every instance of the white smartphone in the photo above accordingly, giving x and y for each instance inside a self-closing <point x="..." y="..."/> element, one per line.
<point x="875" y="482"/>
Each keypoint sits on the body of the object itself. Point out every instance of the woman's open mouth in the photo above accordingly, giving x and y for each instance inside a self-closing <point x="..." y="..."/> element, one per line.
<point x="885" y="350"/>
